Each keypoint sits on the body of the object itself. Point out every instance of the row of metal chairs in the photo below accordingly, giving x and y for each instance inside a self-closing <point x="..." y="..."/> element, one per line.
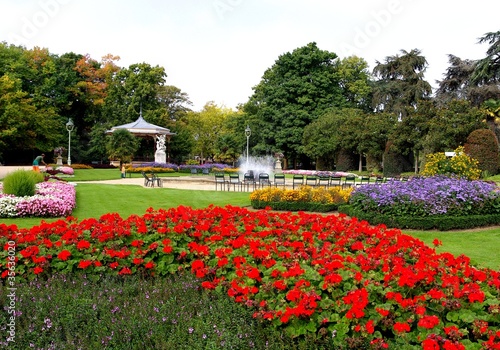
<point x="249" y="181"/>
<point x="339" y="181"/>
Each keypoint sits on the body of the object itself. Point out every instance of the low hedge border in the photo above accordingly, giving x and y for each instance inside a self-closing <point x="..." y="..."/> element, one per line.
<point x="296" y="206"/>
<point x="436" y="222"/>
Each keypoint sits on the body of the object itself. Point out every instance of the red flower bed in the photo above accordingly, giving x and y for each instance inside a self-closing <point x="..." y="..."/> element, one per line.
<point x="330" y="275"/>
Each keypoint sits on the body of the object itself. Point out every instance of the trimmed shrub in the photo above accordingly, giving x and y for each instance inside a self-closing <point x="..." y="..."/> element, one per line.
<point x="345" y="161"/>
<point x="394" y="163"/>
<point x="482" y="145"/>
<point x="21" y="183"/>
<point x="441" y="223"/>
<point x="295" y="206"/>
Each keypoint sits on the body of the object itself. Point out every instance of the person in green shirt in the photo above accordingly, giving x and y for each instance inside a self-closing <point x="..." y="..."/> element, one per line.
<point x="37" y="161"/>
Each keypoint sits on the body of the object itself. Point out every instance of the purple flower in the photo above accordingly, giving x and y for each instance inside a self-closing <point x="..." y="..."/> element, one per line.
<point x="423" y="196"/>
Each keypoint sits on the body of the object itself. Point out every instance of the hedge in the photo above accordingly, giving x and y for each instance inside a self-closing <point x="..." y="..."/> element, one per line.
<point x="296" y="206"/>
<point x="437" y="222"/>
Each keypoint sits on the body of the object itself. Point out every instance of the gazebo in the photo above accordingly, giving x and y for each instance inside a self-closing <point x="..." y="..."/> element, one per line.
<point x="142" y="128"/>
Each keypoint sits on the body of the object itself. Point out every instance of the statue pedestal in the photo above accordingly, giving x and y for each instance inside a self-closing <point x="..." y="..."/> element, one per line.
<point x="160" y="157"/>
<point x="59" y="160"/>
<point x="277" y="167"/>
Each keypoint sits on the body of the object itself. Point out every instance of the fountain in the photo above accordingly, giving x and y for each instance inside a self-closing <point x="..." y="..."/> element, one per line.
<point x="257" y="165"/>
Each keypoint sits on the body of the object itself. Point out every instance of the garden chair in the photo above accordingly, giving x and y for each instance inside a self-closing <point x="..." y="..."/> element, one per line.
<point x="379" y="180"/>
<point x="234" y="179"/>
<point x="311" y="180"/>
<point x="365" y="180"/>
<point x="148" y="181"/>
<point x="220" y="179"/>
<point x="297" y="180"/>
<point x="349" y="181"/>
<point x="336" y="180"/>
<point x="248" y="179"/>
<point x="324" y="181"/>
<point x="264" y="180"/>
<point x="279" y="180"/>
<point x="157" y="180"/>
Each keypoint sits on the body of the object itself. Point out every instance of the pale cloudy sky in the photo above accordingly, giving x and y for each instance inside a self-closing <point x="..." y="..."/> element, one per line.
<point x="217" y="50"/>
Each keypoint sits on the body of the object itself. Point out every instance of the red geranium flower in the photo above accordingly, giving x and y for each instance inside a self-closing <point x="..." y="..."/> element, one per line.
<point x="64" y="255"/>
<point x="125" y="271"/>
<point x="428" y="322"/>
<point x="401" y="327"/>
<point x="84" y="264"/>
<point x="83" y="244"/>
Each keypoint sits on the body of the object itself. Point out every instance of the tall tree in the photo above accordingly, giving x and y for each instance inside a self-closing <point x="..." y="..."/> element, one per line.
<point x="400" y="83"/>
<point x="206" y="127"/>
<point x="456" y="84"/>
<point x="296" y="90"/>
<point x="354" y="81"/>
<point x="132" y="88"/>
<point x="488" y="69"/>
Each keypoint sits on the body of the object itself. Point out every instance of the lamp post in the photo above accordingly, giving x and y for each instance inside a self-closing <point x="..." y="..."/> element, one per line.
<point x="248" y="132"/>
<point x="69" y="126"/>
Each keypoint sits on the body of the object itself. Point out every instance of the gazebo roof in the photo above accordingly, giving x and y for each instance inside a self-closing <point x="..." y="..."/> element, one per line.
<point x="142" y="128"/>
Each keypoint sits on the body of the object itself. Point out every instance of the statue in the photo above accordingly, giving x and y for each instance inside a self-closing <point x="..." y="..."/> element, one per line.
<point x="160" y="156"/>
<point x="160" y="143"/>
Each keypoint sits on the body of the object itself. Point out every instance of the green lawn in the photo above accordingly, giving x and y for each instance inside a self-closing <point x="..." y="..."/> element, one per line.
<point x="480" y="245"/>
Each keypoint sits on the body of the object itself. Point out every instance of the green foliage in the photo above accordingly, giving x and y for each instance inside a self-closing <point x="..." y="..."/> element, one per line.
<point x="21" y="183"/>
<point x="207" y="128"/>
<point x="460" y="165"/>
<point x="122" y="145"/>
<point x="451" y="124"/>
<point x="482" y="145"/>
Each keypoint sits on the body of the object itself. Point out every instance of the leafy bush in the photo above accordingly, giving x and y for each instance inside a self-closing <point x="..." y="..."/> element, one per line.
<point x="482" y="145"/>
<point x="21" y="183"/>
<point x="460" y="165"/>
